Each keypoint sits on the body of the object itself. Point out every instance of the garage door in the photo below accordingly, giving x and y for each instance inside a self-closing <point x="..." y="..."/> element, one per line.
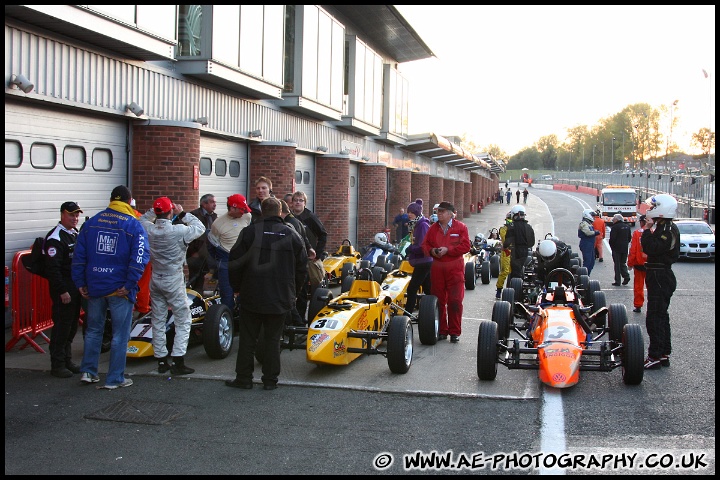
<point x="223" y="170"/>
<point x="305" y="178"/>
<point x="53" y="156"/>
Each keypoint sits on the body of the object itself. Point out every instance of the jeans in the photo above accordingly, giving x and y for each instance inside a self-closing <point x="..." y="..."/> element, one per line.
<point x="121" y="313"/>
<point x="227" y="297"/>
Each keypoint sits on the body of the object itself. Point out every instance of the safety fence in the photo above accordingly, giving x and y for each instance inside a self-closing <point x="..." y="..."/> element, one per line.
<point x="31" y="306"/>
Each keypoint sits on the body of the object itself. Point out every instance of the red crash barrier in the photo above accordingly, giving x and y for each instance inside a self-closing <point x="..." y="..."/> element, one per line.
<point x="31" y="306"/>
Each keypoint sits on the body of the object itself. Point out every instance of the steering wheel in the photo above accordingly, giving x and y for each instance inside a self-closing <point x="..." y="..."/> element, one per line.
<point x="559" y="275"/>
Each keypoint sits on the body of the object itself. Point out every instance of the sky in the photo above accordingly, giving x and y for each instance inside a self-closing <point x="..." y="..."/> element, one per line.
<point x="509" y="75"/>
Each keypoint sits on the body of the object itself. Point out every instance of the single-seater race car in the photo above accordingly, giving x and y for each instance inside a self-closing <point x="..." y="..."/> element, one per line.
<point x="477" y="261"/>
<point x="213" y="325"/>
<point x="560" y="336"/>
<point x="364" y="320"/>
<point x="341" y="263"/>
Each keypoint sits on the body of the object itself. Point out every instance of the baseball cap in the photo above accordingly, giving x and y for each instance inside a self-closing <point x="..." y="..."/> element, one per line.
<point x="122" y="193"/>
<point x="162" y="205"/>
<point x="446" y="206"/>
<point x="70" y="207"/>
<point x="238" y="201"/>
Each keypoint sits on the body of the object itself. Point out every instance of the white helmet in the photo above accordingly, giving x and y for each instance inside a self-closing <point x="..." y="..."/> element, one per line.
<point x="661" y="206"/>
<point x="479" y="238"/>
<point x="517" y="210"/>
<point x="547" y="249"/>
<point x="588" y="215"/>
<point x="381" y="238"/>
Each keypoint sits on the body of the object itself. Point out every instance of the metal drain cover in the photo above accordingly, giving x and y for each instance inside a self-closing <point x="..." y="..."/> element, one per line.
<point x="146" y="413"/>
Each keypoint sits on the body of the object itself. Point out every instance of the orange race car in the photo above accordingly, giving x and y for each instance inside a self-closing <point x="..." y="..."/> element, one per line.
<point x="559" y="335"/>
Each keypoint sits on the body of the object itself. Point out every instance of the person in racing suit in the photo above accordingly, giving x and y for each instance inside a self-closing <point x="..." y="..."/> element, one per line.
<point x="556" y="256"/>
<point x="521" y="237"/>
<point x="168" y="248"/>
<point x="661" y="243"/>
<point x="447" y="241"/>
<point x="504" y="256"/>
<point x="636" y="261"/>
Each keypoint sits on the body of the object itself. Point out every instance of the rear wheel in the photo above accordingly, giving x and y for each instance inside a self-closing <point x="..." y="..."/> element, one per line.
<point x="428" y="320"/>
<point x="582" y="271"/>
<point x="617" y="321"/>
<point x="517" y="285"/>
<point x="320" y="298"/>
<point x="470" y="276"/>
<point x="487" y="350"/>
<point x="598" y="302"/>
<point x="508" y="295"/>
<point x="378" y="274"/>
<point x="400" y="344"/>
<point x="347" y="283"/>
<point x="485" y="272"/>
<point x="593" y="286"/>
<point x="381" y="261"/>
<point x="502" y="316"/>
<point x="217" y="331"/>
<point x="632" y="355"/>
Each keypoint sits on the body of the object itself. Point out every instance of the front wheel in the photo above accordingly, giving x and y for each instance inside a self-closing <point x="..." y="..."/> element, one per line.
<point x="400" y="344"/>
<point x="428" y="320"/>
<point x="485" y="272"/>
<point x="217" y="331"/>
<point x="487" y="350"/>
<point x="632" y="355"/>
<point x="495" y="266"/>
<point x="320" y="298"/>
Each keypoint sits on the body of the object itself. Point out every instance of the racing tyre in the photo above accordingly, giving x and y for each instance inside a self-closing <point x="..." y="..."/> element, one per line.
<point x="396" y="260"/>
<point x="495" y="266"/>
<point x="584" y="281"/>
<point x="317" y="302"/>
<point x="502" y="316"/>
<point x="617" y="319"/>
<point x="593" y="286"/>
<point x="632" y="355"/>
<point x="364" y="264"/>
<point x="346" y="283"/>
<point x="517" y="285"/>
<point x="582" y="271"/>
<point x="400" y="344"/>
<point x="379" y="274"/>
<point x="598" y="302"/>
<point x="428" y="320"/>
<point x="347" y="269"/>
<point x="381" y="262"/>
<point x="470" y="276"/>
<point x="487" y="350"/>
<point x="508" y="295"/>
<point x="217" y="331"/>
<point x="485" y="272"/>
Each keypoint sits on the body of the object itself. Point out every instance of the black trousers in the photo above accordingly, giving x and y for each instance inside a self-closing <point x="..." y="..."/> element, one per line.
<point x="620" y="265"/>
<point x="661" y="285"/>
<point x="250" y="323"/>
<point x="65" y="324"/>
<point x="420" y="278"/>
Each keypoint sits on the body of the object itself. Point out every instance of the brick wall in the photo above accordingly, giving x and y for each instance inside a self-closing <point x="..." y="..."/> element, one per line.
<point x="448" y="192"/>
<point x="163" y="158"/>
<point x="468" y="207"/>
<point x="371" y="204"/>
<point x="332" y="197"/>
<point x="435" y="194"/>
<point x="421" y="189"/>
<point x="277" y="163"/>
<point x="459" y="199"/>
<point x="399" y="195"/>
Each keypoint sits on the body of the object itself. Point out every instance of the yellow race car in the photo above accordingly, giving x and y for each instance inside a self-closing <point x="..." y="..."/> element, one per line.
<point x="367" y="319"/>
<point x="341" y="263"/>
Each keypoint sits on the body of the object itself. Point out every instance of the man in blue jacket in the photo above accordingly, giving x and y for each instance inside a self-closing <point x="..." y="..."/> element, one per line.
<point x="110" y="257"/>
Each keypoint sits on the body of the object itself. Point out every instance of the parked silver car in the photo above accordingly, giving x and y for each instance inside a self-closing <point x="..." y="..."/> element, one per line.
<point x="697" y="239"/>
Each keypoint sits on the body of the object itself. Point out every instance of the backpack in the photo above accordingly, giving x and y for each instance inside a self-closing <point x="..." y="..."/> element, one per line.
<point x="34" y="262"/>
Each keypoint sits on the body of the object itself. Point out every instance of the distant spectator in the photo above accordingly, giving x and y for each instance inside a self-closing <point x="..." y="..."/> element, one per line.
<point x="401" y="225"/>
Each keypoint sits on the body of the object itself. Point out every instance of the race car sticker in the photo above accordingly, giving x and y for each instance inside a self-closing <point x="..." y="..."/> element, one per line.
<point x="363" y="321"/>
<point x="326" y="324"/>
<point x="317" y="340"/>
<point x="339" y="348"/>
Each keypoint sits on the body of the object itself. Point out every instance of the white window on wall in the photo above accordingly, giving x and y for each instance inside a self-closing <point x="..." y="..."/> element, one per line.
<point x="397" y="99"/>
<point x="250" y="38"/>
<point x="323" y="51"/>
<point x="157" y="19"/>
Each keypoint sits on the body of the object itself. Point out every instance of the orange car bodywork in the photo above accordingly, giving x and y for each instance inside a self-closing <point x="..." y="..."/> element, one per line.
<point x="560" y="340"/>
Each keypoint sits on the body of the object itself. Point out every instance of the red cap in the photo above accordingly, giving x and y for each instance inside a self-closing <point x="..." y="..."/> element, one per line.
<point x="238" y="201"/>
<point x="162" y="205"/>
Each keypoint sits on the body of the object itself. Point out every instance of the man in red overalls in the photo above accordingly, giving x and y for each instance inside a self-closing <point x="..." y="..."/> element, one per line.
<point x="447" y="240"/>
<point x="636" y="261"/>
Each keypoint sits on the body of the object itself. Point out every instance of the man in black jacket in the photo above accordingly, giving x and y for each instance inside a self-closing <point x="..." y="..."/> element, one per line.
<point x="620" y="237"/>
<point x="290" y="219"/>
<point x="520" y="238"/>
<point x="59" y="248"/>
<point x="317" y="235"/>
<point x="266" y="265"/>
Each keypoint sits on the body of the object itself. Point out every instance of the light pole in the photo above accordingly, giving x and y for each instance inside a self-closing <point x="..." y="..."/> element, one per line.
<point x="637" y="143"/>
<point x="594" y="156"/>
<point x="612" y="155"/>
<point x="603" y="162"/>
<point x="667" y="147"/>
